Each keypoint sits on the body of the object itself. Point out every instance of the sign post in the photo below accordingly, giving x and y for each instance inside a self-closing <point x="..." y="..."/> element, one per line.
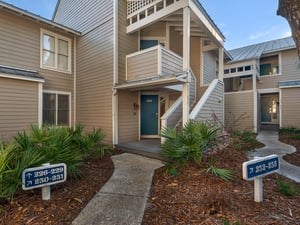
<point x="43" y="177"/>
<point x="257" y="168"/>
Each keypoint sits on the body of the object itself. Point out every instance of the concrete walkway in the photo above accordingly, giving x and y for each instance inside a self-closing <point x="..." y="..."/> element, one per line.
<point x="274" y="146"/>
<point x="122" y="200"/>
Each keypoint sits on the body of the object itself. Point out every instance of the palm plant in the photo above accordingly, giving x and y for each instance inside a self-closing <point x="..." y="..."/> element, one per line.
<point x="189" y="143"/>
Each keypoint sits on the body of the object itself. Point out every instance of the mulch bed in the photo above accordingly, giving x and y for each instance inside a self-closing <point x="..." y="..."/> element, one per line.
<point x="190" y="198"/>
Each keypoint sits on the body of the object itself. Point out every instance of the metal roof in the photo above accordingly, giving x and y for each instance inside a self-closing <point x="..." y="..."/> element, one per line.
<point x="20" y="72"/>
<point x="256" y="50"/>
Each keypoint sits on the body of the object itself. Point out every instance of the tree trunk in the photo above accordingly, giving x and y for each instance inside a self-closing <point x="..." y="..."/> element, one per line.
<point x="290" y="9"/>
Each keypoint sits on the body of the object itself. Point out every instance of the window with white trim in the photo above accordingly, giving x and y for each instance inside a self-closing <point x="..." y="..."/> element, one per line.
<point x="56" y="109"/>
<point x="55" y="52"/>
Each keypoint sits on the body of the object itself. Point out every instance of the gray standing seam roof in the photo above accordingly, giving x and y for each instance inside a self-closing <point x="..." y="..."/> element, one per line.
<point x="256" y="50"/>
<point x="20" y="72"/>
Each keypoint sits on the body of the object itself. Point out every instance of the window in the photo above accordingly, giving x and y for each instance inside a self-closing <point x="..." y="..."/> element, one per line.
<point x="55" y="52"/>
<point x="269" y="65"/>
<point x="144" y="44"/>
<point x="56" y="109"/>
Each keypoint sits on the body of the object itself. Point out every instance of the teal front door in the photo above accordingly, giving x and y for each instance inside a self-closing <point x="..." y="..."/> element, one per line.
<point x="149" y="115"/>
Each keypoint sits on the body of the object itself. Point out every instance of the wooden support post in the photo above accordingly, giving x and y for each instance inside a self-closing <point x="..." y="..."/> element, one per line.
<point x="221" y="63"/>
<point x="186" y="64"/>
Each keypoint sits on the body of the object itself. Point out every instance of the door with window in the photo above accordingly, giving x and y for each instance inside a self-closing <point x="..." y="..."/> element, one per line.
<point x="269" y="109"/>
<point x="149" y="115"/>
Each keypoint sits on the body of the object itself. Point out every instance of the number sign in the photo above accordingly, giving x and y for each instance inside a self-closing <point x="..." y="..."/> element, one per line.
<point x="259" y="167"/>
<point x="44" y="176"/>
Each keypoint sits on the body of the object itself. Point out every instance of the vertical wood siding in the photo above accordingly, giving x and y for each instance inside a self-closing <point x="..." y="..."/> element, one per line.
<point x="236" y="105"/>
<point x="290" y="107"/>
<point x="20" y="48"/>
<point x="128" y="116"/>
<point x="84" y="16"/>
<point x="95" y="79"/>
<point x="19" y="106"/>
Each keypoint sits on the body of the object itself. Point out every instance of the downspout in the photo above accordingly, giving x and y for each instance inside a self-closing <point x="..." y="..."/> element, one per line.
<point x="40" y="106"/>
<point x="115" y="132"/>
<point x="75" y="81"/>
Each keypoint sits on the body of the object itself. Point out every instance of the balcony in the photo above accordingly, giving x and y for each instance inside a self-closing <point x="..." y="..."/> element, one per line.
<point x="152" y="63"/>
<point x="142" y="12"/>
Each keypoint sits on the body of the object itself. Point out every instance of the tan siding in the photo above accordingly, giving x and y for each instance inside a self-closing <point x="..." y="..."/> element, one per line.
<point x="290" y="107"/>
<point x="128" y="117"/>
<point x="195" y="61"/>
<point x="127" y="43"/>
<point x="20" y="48"/>
<point x="209" y="67"/>
<point x="84" y="15"/>
<point x="171" y="63"/>
<point x="19" y="106"/>
<point x="289" y="68"/>
<point x="155" y="30"/>
<point x="142" y="65"/>
<point x="214" y="105"/>
<point x="236" y="105"/>
<point x="95" y="79"/>
<point x="176" y="41"/>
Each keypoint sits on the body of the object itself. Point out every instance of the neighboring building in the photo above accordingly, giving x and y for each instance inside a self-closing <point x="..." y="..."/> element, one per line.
<point x="129" y="67"/>
<point x="262" y="86"/>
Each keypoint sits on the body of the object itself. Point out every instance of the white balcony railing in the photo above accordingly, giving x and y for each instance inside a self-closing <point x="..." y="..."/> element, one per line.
<point x="153" y="62"/>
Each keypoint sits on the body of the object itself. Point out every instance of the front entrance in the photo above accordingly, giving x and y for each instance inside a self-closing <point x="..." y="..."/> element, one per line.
<point x="149" y="115"/>
<point x="269" y="108"/>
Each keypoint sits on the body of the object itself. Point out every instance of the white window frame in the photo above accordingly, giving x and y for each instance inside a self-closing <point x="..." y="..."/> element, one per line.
<point x="56" y="104"/>
<point x="57" y="37"/>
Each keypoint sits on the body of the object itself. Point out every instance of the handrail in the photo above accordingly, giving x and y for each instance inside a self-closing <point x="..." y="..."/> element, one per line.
<point x="172" y="109"/>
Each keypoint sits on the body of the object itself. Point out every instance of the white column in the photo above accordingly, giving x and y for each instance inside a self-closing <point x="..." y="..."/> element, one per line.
<point x="221" y="63"/>
<point x="186" y="64"/>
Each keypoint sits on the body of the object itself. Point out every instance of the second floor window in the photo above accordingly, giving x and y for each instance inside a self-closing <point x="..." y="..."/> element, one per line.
<point x="55" y="52"/>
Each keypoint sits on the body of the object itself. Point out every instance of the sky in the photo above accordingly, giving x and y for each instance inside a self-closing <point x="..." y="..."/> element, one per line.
<point x="242" y="22"/>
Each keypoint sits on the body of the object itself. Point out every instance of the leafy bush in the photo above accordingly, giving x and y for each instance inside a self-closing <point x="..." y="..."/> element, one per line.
<point x="244" y="140"/>
<point x="47" y="145"/>
<point x="188" y="143"/>
<point x="292" y="132"/>
<point x="224" y="174"/>
<point x="288" y="189"/>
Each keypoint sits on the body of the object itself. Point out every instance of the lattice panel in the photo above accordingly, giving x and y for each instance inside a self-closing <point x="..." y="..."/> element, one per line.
<point x="135" y="5"/>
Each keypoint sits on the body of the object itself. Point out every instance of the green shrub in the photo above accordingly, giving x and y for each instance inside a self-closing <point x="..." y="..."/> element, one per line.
<point x="224" y="174"/>
<point x="244" y="140"/>
<point x="188" y="143"/>
<point x="47" y="145"/>
<point x="288" y="189"/>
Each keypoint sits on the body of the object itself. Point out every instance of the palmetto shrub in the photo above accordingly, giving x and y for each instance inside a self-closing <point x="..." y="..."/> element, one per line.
<point x="47" y="145"/>
<point x="188" y="143"/>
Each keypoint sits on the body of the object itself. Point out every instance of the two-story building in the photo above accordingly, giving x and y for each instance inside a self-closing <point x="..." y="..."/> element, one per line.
<point x="262" y="86"/>
<point x="37" y="71"/>
<point x="129" y="67"/>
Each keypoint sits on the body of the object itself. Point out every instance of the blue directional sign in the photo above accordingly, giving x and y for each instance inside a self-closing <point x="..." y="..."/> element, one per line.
<point x="44" y="176"/>
<point x="259" y="167"/>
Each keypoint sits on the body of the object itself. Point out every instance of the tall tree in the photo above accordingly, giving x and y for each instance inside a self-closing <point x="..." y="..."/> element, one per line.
<point x="290" y="9"/>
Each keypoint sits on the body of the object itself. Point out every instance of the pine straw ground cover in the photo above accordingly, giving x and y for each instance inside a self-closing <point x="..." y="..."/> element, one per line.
<point x="201" y="198"/>
<point x="190" y="198"/>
